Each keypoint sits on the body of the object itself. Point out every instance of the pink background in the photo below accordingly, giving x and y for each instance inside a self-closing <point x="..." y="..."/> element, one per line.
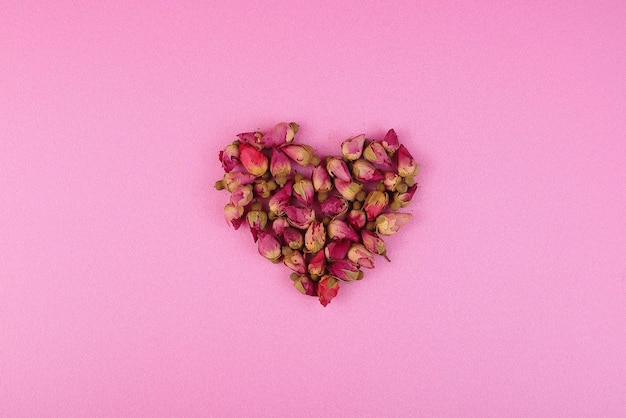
<point x="124" y="292"/>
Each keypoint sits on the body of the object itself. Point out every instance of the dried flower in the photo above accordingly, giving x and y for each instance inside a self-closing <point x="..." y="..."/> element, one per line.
<point x="327" y="289"/>
<point x="317" y="265"/>
<point x="300" y="217"/>
<point x="305" y="285"/>
<point x="338" y="229"/>
<point x="352" y="148"/>
<point x="357" y="219"/>
<point x="293" y="238"/>
<point x="375" y="203"/>
<point x="375" y="153"/>
<point x="232" y="180"/>
<point x="251" y="138"/>
<point x="279" y="134"/>
<point x="406" y="163"/>
<point x="230" y="157"/>
<point x="405" y="198"/>
<point x="337" y="250"/>
<point x="315" y="237"/>
<point x="269" y="246"/>
<point x="334" y="206"/>
<point x="374" y="243"/>
<point x="360" y="255"/>
<point x="390" y="223"/>
<point x="257" y="219"/>
<point x="338" y="169"/>
<point x="281" y="198"/>
<point x="264" y="188"/>
<point x="391" y="181"/>
<point x="301" y="154"/>
<point x="234" y="215"/>
<point x="253" y="160"/>
<point x="280" y="166"/>
<point x="321" y="179"/>
<point x="348" y="189"/>
<point x="364" y="171"/>
<point x="390" y="142"/>
<point x="345" y="270"/>
<point x="241" y="196"/>
<point x="303" y="191"/>
<point x="295" y="261"/>
<point x="279" y="225"/>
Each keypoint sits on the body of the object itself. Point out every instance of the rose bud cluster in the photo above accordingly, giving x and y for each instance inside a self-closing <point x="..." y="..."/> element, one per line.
<point x="323" y="218"/>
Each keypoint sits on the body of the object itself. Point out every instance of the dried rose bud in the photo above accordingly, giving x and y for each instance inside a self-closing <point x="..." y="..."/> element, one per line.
<point x="364" y="171"/>
<point x="251" y="138"/>
<point x="348" y="189"/>
<point x="241" y="196"/>
<point x="357" y="219"/>
<point x="345" y="270"/>
<point x="375" y="203"/>
<point x="338" y="169"/>
<point x="295" y="262"/>
<point x="293" y="238"/>
<point x="279" y="134"/>
<point x="263" y="188"/>
<point x="334" y="206"/>
<point x="253" y="160"/>
<point x="391" y="181"/>
<point x="300" y="217"/>
<point x="374" y="243"/>
<point x="321" y="179"/>
<point x="303" y="191"/>
<point x="234" y="215"/>
<point x="352" y="148"/>
<point x="338" y="229"/>
<point x="390" y="142"/>
<point x="257" y="219"/>
<point x="375" y="153"/>
<point x="230" y="157"/>
<point x="405" y="198"/>
<point x="337" y="250"/>
<point x="269" y="246"/>
<point x="232" y="180"/>
<point x="279" y="225"/>
<point x="315" y="237"/>
<point x="280" y="200"/>
<point x="301" y="154"/>
<point x="317" y="265"/>
<point x="280" y="166"/>
<point x="360" y="255"/>
<point x="327" y="289"/>
<point x="305" y="285"/>
<point x="389" y="223"/>
<point x="406" y="163"/>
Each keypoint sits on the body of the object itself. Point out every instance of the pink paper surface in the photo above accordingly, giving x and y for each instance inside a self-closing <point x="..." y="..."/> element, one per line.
<point x="123" y="292"/>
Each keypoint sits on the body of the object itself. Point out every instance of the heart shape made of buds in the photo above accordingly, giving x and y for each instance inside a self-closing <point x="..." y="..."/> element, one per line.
<point x="324" y="218"/>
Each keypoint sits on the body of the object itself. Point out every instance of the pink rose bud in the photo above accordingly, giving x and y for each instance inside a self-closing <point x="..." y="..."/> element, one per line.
<point x="263" y="188"/>
<point x="233" y="180"/>
<point x="345" y="270"/>
<point x="405" y="198"/>
<point x="280" y="166"/>
<point x="300" y="217"/>
<point x="304" y="192"/>
<point x="241" y="196"/>
<point x="364" y="171"/>
<point x="357" y="219"/>
<point x="279" y="225"/>
<point x="230" y="157"/>
<point x="391" y="181"/>
<point x="352" y="148"/>
<point x="269" y="246"/>
<point x="321" y="179"/>
<point x="375" y="153"/>
<point x="327" y="289"/>
<point x="257" y="219"/>
<point x="348" y="189"/>
<point x="293" y="238"/>
<point x="360" y="255"/>
<point x="406" y="163"/>
<point x="295" y="262"/>
<point x="280" y="200"/>
<point x="334" y="206"/>
<point x="374" y="243"/>
<point x="390" y="223"/>
<point x="253" y="160"/>
<point x="338" y="169"/>
<point x="375" y="203"/>
<point x="279" y="134"/>
<point x="234" y="215"/>
<point x="300" y="153"/>
<point x="338" y="229"/>
<point x="251" y="138"/>
<point x="315" y="237"/>
<point x="337" y="250"/>
<point x="390" y="142"/>
<point x="317" y="265"/>
<point x="305" y="285"/>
